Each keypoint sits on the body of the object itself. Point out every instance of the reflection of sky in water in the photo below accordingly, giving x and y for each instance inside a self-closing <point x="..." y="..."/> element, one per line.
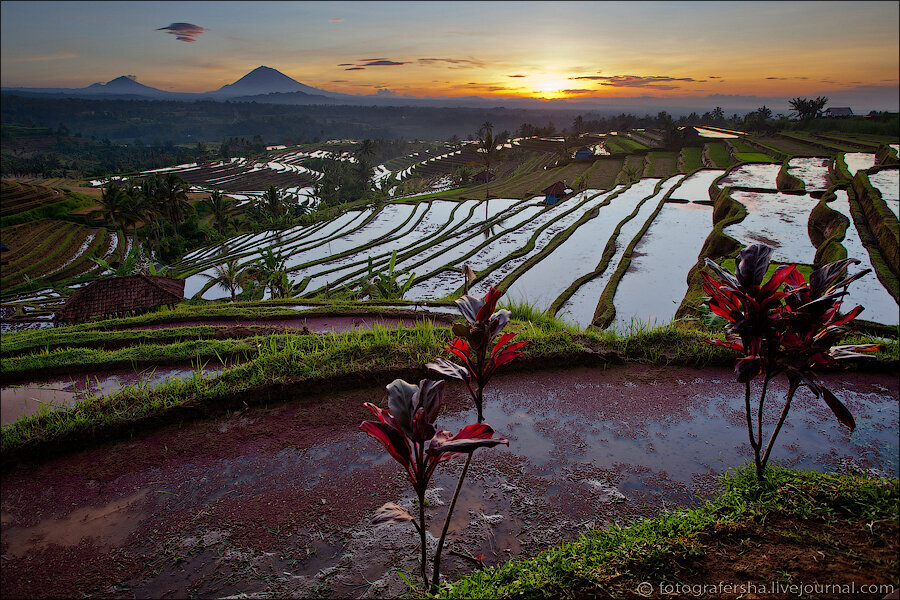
<point x="656" y="280"/>
<point x="867" y="291"/>
<point x="581" y="306"/>
<point x="753" y="175"/>
<point x="696" y="187"/>
<point x="710" y="435"/>
<point x="777" y="220"/>
<point x="812" y="171"/>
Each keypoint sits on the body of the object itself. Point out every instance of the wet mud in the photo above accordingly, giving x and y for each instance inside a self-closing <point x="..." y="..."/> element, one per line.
<point x="279" y="500"/>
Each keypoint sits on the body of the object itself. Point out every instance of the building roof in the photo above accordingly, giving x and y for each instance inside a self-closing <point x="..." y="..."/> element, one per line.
<point x="114" y="295"/>
<point x="557" y="189"/>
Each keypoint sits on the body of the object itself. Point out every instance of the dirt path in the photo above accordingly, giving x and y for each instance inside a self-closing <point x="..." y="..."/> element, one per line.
<point x="278" y="500"/>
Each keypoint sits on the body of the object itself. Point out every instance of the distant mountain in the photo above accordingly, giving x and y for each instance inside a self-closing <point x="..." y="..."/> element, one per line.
<point x="122" y="85"/>
<point x="264" y="80"/>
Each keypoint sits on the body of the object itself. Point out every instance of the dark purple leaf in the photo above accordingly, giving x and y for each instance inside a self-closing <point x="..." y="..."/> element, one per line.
<point x="469" y="307"/>
<point x="751" y="264"/>
<point x="837" y="407"/>
<point x="723" y="273"/>
<point x="402" y="397"/>
<point x="444" y="367"/>
<point x="748" y="368"/>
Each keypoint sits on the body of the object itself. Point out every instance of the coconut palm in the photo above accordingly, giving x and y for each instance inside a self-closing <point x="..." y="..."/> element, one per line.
<point x="113" y="205"/>
<point x="488" y="153"/>
<point x="221" y="208"/>
<point x="173" y="191"/>
<point x="229" y="276"/>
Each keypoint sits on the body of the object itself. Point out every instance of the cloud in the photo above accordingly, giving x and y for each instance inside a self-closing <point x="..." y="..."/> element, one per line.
<point x="57" y="56"/>
<point x="657" y="82"/>
<point x="335" y="20"/>
<point x="185" y="32"/>
<point x="371" y="62"/>
<point x="452" y="63"/>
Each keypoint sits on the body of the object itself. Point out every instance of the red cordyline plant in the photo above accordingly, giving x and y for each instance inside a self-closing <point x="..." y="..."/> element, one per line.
<point x="406" y="429"/>
<point x="475" y="345"/>
<point x="783" y="326"/>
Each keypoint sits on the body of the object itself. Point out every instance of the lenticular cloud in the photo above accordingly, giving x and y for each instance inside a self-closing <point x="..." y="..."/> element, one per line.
<point x="185" y="32"/>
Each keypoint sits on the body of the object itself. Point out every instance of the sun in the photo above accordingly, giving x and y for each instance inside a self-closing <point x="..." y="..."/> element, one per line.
<point x="551" y="88"/>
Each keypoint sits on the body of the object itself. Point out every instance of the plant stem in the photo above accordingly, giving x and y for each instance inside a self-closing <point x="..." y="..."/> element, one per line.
<point x="792" y="388"/>
<point x="437" y="556"/>
<point x="422" y="537"/>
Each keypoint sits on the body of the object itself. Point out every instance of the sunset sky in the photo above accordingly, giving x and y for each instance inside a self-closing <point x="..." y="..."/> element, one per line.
<point x="538" y="49"/>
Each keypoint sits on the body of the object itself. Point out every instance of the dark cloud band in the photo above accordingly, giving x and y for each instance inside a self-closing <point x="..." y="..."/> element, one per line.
<point x="185" y="32"/>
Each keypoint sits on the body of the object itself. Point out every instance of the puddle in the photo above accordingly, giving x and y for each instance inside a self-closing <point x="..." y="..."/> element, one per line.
<point x="60" y="394"/>
<point x="108" y="525"/>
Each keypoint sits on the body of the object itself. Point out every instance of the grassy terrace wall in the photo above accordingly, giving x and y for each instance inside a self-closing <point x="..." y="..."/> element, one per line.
<point x="785" y="182"/>
<point x="879" y="230"/>
<point x="726" y="211"/>
<point x="827" y="228"/>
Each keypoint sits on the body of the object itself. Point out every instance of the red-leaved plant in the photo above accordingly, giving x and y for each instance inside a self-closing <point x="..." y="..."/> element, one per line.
<point x="475" y="345"/>
<point x="783" y="326"/>
<point x="406" y="429"/>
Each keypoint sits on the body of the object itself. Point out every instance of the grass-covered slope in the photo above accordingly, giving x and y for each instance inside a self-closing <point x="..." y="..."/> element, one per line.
<point x="798" y="528"/>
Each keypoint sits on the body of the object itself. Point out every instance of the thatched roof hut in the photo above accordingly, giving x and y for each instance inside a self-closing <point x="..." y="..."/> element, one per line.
<point x="131" y="294"/>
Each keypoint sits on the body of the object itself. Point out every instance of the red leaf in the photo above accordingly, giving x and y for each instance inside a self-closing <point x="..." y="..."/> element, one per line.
<point x="393" y="441"/>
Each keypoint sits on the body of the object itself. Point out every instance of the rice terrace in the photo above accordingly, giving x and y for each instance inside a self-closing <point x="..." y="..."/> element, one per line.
<point x="622" y="342"/>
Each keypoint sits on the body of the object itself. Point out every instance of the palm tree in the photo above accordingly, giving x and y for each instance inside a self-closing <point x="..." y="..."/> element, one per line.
<point x="221" y="208"/>
<point x="113" y="205"/>
<point x="173" y="191"/>
<point x="488" y="153"/>
<point x="229" y="276"/>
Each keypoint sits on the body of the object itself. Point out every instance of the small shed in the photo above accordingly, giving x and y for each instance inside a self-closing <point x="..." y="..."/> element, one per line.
<point x="838" y="111"/>
<point x="484" y="177"/>
<point x="554" y="193"/>
<point x="583" y="153"/>
<point x="127" y="295"/>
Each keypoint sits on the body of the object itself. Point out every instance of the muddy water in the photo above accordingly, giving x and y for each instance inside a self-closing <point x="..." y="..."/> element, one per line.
<point x="278" y="501"/>
<point x="24" y="400"/>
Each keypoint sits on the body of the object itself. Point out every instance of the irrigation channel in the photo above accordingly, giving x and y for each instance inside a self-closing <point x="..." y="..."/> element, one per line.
<point x="278" y="500"/>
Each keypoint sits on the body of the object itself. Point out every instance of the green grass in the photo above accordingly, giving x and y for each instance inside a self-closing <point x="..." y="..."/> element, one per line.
<point x="754" y="157"/>
<point x="718" y="154"/>
<point x="691" y="159"/>
<point x="260" y="369"/>
<point x="617" y="144"/>
<point x="612" y="562"/>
